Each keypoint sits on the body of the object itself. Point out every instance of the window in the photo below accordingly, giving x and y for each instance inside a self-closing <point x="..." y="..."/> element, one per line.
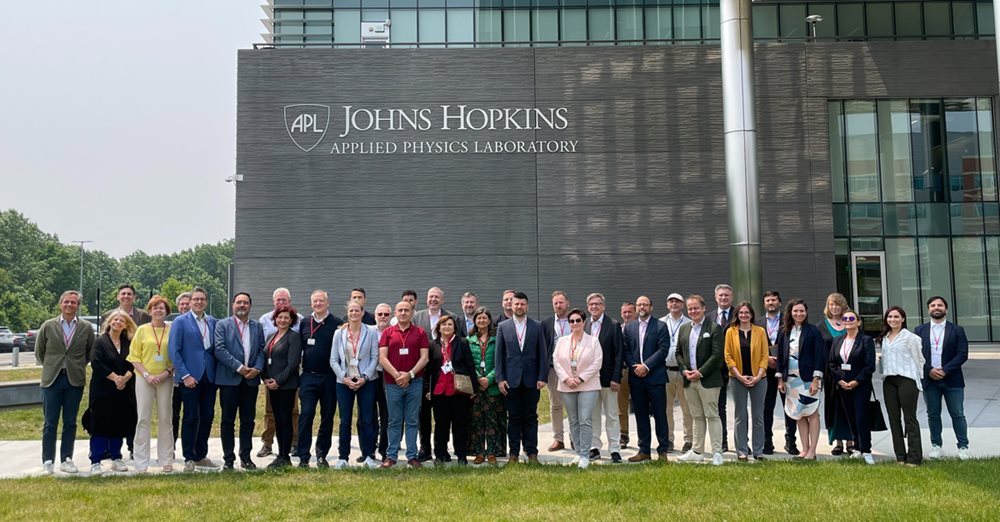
<point x="347" y="26"/>
<point x="545" y="25"/>
<point x="461" y="27"/>
<point x="404" y="26"/>
<point x="850" y="21"/>
<point x="862" y="154"/>
<point x="659" y="23"/>
<point x="628" y="20"/>
<point x="431" y="26"/>
<point x="574" y="26"/>
<point x="765" y="21"/>
<point x="879" y="20"/>
<point x="601" y="24"/>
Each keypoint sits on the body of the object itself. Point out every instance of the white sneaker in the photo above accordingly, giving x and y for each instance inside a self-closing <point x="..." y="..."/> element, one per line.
<point x="717" y="459"/>
<point x="95" y="470"/>
<point x="691" y="456"/>
<point x="935" y="452"/>
<point x="188" y="466"/>
<point x="371" y="463"/>
<point x="47" y="468"/>
<point x="583" y="463"/>
<point x="963" y="454"/>
<point x="869" y="459"/>
<point x="340" y="464"/>
<point x="68" y="467"/>
<point x="575" y="461"/>
<point x="118" y="465"/>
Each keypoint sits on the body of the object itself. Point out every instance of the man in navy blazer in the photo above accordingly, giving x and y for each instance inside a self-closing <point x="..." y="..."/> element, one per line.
<point x="239" y="350"/>
<point x="522" y="368"/>
<point x="946" y="348"/>
<point x="190" y="346"/>
<point x="647" y="341"/>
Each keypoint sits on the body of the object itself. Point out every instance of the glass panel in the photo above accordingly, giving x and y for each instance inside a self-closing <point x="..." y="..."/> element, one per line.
<point x="964" y="18"/>
<point x="404" y="26"/>
<point x="461" y="3"/>
<point x="765" y="21"/>
<point x="866" y="244"/>
<point x="935" y="268"/>
<point x="461" y="27"/>
<point x="319" y="28"/>
<point x="687" y="23"/>
<point x="900" y="220"/>
<point x="964" y="182"/>
<point x="827" y="28"/>
<point x="347" y="26"/>
<point x="431" y="26"/>
<point x="403" y="3"/>
<point x="902" y="283"/>
<point x="927" y="146"/>
<point x="835" y="115"/>
<point x="516" y="27"/>
<point x="879" y="20"/>
<point x="868" y="282"/>
<point x="291" y="28"/>
<point x="659" y="23"/>
<point x="937" y="19"/>
<point x="430" y="3"/>
<point x="850" y="21"/>
<point x="842" y="261"/>
<point x="711" y="22"/>
<point x="574" y="26"/>
<point x="792" y="20"/>
<point x="894" y="150"/>
<point x="319" y="15"/>
<point x="862" y="164"/>
<point x="993" y="274"/>
<point x="933" y="219"/>
<point x="967" y="219"/>
<point x="488" y="25"/>
<point x="320" y="3"/>
<point x="545" y="26"/>
<point x="629" y="22"/>
<point x="908" y="19"/>
<point x="971" y="306"/>
<point x="984" y="18"/>
<point x="866" y="219"/>
<point x="987" y="163"/>
<point x="341" y="4"/>
<point x="840" y="228"/>
<point x="991" y="220"/>
<point x="289" y="14"/>
<point x="601" y="22"/>
<point x="374" y="15"/>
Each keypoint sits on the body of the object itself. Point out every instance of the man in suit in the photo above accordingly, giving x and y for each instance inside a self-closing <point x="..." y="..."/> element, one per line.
<point x="646" y="343"/>
<point x="239" y="350"/>
<point x="191" y="342"/>
<point x="126" y="302"/>
<point x="946" y="348"/>
<point x="427" y="319"/>
<point x="470" y="301"/>
<point x="699" y="349"/>
<point x="628" y="315"/>
<point x="317" y="384"/>
<point x="722" y="316"/>
<point x="771" y="322"/>
<point x="62" y="348"/>
<point x="280" y="297"/>
<point x="675" y="381"/>
<point x="609" y="333"/>
<point x="359" y="296"/>
<point x="554" y="327"/>
<point x="522" y="366"/>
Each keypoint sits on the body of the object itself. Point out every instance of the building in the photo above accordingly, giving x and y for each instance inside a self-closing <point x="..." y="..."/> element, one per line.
<point x="380" y="167"/>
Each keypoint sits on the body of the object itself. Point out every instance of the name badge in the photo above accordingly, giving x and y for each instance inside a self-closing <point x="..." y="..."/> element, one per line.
<point x="482" y="364"/>
<point x="446" y="367"/>
<point x="404" y="351"/>
<point x="158" y="358"/>
<point x="269" y="361"/>
<point x="354" y="362"/>
<point x="845" y="367"/>
<point x="572" y="364"/>
<point x="311" y="342"/>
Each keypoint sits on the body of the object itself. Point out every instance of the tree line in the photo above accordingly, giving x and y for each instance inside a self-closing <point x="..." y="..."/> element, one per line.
<point x="35" y="268"/>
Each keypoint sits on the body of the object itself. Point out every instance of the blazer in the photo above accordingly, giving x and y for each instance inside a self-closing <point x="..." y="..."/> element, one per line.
<point x="588" y="367"/>
<point x="653" y="354"/>
<point x="517" y="366"/>
<point x="422" y="319"/>
<point x="758" y="350"/>
<point x="53" y="355"/>
<point x="367" y="352"/>
<point x="813" y="354"/>
<point x="460" y="328"/>
<point x="229" y="351"/>
<point x="612" y="342"/>
<point x="461" y="361"/>
<point x="283" y="360"/>
<point x="861" y="359"/>
<point x="489" y="369"/>
<point x="708" y="352"/>
<point x="954" y="353"/>
<point x="187" y="351"/>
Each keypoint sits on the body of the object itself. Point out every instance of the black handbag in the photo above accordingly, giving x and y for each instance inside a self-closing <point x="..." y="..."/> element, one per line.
<point x="876" y="421"/>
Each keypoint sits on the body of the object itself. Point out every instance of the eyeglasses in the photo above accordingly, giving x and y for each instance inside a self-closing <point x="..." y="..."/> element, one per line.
<point x="383" y="314"/>
<point x="574" y="321"/>
<point x="849" y="319"/>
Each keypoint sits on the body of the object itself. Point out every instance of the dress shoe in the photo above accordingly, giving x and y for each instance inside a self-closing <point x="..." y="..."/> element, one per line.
<point x="513" y="460"/>
<point x="250" y="466"/>
<point x="388" y="463"/>
<point x="492" y="460"/>
<point x="227" y="466"/>
<point x="279" y="463"/>
<point x="360" y="459"/>
<point x="624" y="441"/>
<point x="759" y="458"/>
<point x="686" y="448"/>
<point x="205" y="463"/>
<point x="414" y="463"/>
<point x="640" y="457"/>
<point x="264" y="452"/>
<point x="792" y="449"/>
<point x="664" y="456"/>
<point x="670" y="447"/>
<point x="304" y="463"/>
<point x="557" y="445"/>
<point x="462" y="461"/>
<point x="533" y="459"/>
<point x="322" y="463"/>
<point x="616" y="457"/>
<point x="423" y="455"/>
<point x="479" y="460"/>
<point x="595" y="454"/>
<point x="768" y="450"/>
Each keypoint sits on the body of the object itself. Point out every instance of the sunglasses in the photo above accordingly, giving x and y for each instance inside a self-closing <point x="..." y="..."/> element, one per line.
<point x="574" y="321"/>
<point x="849" y="319"/>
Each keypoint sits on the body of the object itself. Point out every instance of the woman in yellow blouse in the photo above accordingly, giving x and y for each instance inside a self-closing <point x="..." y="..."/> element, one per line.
<point x="746" y="359"/>
<point x="151" y="359"/>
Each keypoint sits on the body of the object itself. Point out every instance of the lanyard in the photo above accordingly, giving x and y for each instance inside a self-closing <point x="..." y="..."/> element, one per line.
<point x="240" y="329"/>
<point x="573" y="345"/>
<point x="446" y="351"/>
<point x="68" y="338"/>
<point x="845" y="352"/>
<point x="204" y="334"/>
<point x="312" y="329"/>
<point x="520" y="334"/>
<point x="158" y="338"/>
<point x="483" y="343"/>
<point x="936" y="341"/>
<point x="772" y="331"/>
<point x="274" y="341"/>
<point x="562" y="327"/>
<point x="354" y="342"/>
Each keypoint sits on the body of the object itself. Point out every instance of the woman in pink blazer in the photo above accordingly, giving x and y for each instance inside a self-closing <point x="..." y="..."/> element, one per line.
<point x="577" y="360"/>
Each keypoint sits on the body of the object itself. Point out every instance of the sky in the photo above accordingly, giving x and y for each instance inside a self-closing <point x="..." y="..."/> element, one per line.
<point x="119" y="119"/>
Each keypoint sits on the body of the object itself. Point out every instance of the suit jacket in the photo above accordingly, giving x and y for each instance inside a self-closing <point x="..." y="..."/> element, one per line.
<point x="708" y="352"/>
<point x="612" y="347"/>
<point x="229" y="351"/>
<point x="187" y="351"/>
<point x="954" y="353"/>
<point x="861" y="359"/>
<point x="813" y="354"/>
<point x="461" y="361"/>
<point x="653" y="354"/>
<point x="138" y="315"/>
<point x="422" y="319"/>
<point x="462" y="329"/>
<point x="283" y="360"/>
<point x="53" y="354"/>
<point x="714" y="316"/>
<point x="517" y="366"/>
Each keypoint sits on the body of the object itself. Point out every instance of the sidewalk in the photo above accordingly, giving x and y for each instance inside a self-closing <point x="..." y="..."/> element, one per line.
<point x="982" y="411"/>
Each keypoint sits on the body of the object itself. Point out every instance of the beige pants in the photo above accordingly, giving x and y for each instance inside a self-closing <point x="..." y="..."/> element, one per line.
<point x="607" y="403"/>
<point x="675" y="392"/>
<point x="703" y="403"/>
<point x="145" y="394"/>
<point x="555" y="406"/>
<point x="623" y="404"/>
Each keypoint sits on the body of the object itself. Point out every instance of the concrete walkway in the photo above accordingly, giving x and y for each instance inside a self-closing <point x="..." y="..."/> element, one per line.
<point x="982" y="411"/>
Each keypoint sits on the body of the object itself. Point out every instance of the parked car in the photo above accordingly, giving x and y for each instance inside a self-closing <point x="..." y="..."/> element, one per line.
<point x="8" y="340"/>
<point x="29" y="340"/>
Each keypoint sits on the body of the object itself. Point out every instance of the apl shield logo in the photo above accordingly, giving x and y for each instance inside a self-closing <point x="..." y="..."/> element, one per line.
<point x="306" y="124"/>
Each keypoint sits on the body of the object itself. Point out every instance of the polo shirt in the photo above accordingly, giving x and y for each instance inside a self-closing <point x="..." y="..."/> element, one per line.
<point x="413" y="339"/>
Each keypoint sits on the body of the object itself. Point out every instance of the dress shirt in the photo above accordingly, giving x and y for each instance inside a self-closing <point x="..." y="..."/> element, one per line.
<point x="434" y="321"/>
<point x="244" y="330"/>
<point x="903" y="356"/>
<point x="673" y="326"/>
<point x="595" y="326"/>
<point x="560" y="327"/>
<point x="69" y="329"/>
<point x="773" y="326"/>
<point x="937" y="343"/>
<point x="724" y="317"/>
<point x="206" y="336"/>
<point x="693" y="344"/>
<point x="520" y="331"/>
<point x="642" y="336"/>
<point x="470" y="325"/>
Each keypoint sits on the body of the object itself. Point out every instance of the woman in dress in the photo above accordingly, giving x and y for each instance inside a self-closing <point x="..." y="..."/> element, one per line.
<point x="149" y="355"/>
<point x="801" y="368"/>
<point x="283" y="350"/>
<point x="488" y="435"/>
<point x="577" y="360"/>
<point x="746" y="360"/>
<point x="902" y="365"/>
<point x="852" y="364"/>
<point x="112" y="409"/>
<point x="354" y="358"/>
<point x="832" y="327"/>
<point x="450" y="356"/>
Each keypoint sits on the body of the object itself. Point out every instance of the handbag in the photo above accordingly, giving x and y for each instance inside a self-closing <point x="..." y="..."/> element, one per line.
<point x="876" y="421"/>
<point x="463" y="384"/>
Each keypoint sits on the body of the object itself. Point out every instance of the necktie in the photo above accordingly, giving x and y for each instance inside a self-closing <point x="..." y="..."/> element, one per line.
<point x="725" y="318"/>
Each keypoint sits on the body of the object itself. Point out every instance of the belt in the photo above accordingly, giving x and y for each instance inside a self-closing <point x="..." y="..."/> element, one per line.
<point x="674" y="368"/>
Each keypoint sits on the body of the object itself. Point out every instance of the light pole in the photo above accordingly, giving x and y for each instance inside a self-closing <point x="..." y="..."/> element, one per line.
<point x="81" y="242"/>
<point x="812" y="20"/>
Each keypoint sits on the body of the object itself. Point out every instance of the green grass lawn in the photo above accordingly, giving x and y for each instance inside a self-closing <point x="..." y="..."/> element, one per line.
<point x="772" y="491"/>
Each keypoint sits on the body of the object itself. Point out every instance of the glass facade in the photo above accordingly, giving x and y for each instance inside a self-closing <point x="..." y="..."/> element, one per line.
<point x="515" y="23"/>
<point x="916" y="180"/>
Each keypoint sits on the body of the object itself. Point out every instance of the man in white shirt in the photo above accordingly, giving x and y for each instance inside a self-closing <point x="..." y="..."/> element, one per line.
<point x="945" y="349"/>
<point x="675" y="382"/>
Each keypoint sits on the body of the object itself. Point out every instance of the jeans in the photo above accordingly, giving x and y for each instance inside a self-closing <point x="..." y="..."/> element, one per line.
<point x="199" y="412"/>
<point x="954" y="398"/>
<point x="60" y="399"/>
<point x="366" y="437"/>
<point x="321" y="389"/>
<point x="404" y="406"/>
<point x="242" y="400"/>
<point x="580" y="410"/>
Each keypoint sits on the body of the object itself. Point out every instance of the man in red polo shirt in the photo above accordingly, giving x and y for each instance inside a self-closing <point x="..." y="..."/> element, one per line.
<point x="403" y="353"/>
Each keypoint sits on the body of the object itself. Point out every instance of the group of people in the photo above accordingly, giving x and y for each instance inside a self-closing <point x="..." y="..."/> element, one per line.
<point x="477" y="379"/>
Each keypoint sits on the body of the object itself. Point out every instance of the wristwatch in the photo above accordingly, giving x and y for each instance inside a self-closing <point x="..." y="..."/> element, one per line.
<point x="145" y="375"/>
<point x="412" y="376"/>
